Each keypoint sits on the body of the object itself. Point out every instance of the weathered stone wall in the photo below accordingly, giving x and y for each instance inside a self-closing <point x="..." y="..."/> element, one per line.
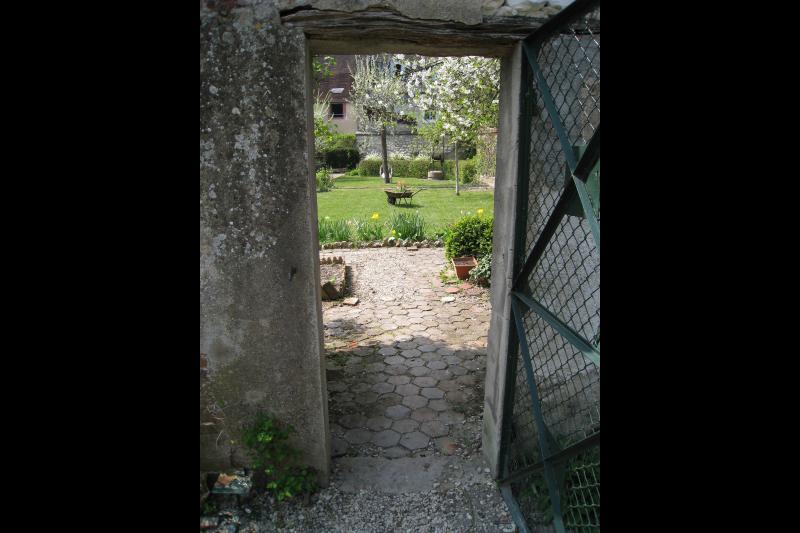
<point x="260" y="311"/>
<point x="401" y="143"/>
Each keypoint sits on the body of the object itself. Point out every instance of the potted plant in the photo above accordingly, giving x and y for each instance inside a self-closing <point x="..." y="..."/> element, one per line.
<point x="466" y="239"/>
<point x="463" y="265"/>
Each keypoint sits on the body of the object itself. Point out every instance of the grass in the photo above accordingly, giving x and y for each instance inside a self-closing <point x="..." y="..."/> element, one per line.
<point x="333" y="230"/>
<point x="375" y="182"/>
<point x="440" y="207"/>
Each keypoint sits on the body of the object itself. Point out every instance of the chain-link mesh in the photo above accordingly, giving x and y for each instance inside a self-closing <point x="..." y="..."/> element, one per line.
<point x="565" y="280"/>
<point x="570" y="64"/>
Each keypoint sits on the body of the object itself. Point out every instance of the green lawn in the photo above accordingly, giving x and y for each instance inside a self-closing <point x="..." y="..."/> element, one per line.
<point x="439" y="206"/>
<point x="376" y="182"/>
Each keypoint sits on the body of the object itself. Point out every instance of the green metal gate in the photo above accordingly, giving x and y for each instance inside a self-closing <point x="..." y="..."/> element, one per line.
<point x="550" y="450"/>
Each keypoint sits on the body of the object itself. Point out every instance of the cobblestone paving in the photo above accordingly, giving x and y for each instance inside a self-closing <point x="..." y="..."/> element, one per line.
<point x="406" y="365"/>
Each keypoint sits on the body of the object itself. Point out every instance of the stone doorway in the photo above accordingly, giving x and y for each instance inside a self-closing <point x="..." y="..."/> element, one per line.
<point x="262" y="323"/>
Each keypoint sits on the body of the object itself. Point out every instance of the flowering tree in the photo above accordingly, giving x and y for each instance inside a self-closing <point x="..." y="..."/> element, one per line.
<point x="379" y="94"/>
<point x="463" y="92"/>
<point x="323" y="131"/>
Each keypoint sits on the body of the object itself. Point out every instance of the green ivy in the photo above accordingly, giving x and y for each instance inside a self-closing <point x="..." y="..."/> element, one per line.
<point x="482" y="273"/>
<point x="277" y="459"/>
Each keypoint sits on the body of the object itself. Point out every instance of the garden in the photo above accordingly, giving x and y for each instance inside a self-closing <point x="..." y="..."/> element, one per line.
<point x="459" y="100"/>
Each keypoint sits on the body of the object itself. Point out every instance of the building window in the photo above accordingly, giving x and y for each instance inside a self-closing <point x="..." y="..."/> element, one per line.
<point x="337" y="110"/>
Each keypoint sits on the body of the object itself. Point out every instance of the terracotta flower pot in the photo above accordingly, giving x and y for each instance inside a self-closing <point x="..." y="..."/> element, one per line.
<point x="463" y="265"/>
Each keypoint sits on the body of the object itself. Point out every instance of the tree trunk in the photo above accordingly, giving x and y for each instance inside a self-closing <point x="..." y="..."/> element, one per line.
<point x="385" y="156"/>
<point x="456" y="168"/>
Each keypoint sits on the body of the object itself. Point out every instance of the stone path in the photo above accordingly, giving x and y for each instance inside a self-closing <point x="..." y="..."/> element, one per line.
<point x="406" y="365"/>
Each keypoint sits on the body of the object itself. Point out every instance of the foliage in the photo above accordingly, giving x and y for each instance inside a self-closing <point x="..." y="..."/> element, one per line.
<point x="466" y="170"/>
<point x="323" y="134"/>
<point x="343" y="140"/>
<point x="277" y="459"/>
<point x="466" y="150"/>
<point x="340" y="157"/>
<point x="412" y="168"/>
<point x="471" y="235"/>
<point x="486" y="153"/>
<point x="407" y="225"/>
<point x="418" y="168"/>
<point x="333" y="230"/>
<point x="321" y="66"/>
<point x="482" y="273"/>
<point x="463" y="92"/>
<point x="324" y="180"/>
<point x="367" y="230"/>
<point x="370" y="166"/>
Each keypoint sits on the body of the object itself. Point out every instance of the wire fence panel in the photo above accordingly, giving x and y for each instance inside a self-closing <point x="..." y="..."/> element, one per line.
<point x="550" y="452"/>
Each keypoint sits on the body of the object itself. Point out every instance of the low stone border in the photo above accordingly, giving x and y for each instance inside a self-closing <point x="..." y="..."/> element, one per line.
<point x="385" y="243"/>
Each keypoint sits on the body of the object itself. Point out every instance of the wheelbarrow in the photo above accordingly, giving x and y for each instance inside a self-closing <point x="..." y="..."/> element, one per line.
<point x="393" y="197"/>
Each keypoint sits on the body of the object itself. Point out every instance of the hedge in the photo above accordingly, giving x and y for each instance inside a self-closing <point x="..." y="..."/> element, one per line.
<point x="340" y="152"/>
<point x="466" y="170"/>
<point x="418" y="168"/>
<point x="401" y="167"/>
<point x="340" y="157"/>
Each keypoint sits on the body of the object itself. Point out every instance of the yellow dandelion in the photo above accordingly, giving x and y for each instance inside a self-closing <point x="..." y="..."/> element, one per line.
<point x="375" y="216"/>
<point x="394" y="232"/>
<point x="479" y="211"/>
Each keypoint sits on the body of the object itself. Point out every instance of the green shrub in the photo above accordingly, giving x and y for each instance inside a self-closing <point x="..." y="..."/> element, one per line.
<point x="399" y="167"/>
<point x="402" y="167"/>
<point x="277" y="459"/>
<point x="468" y="170"/>
<point x="466" y="167"/>
<point x="324" y="180"/>
<point x="466" y="151"/>
<point x="341" y="157"/>
<point x="333" y="230"/>
<point x="407" y="225"/>
<point x="418" y="167"/>
<point x="343" y="141"/>
<point x="471" y="235"/>
<point x="367" y="230"/>
<point x="370" y="166"/>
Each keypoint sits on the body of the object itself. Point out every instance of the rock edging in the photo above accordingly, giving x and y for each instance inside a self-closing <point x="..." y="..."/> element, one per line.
<point x="385" y="243"/>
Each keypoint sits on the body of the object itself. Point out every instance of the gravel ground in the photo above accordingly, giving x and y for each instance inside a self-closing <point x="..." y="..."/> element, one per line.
<point x="464" y="499"/>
